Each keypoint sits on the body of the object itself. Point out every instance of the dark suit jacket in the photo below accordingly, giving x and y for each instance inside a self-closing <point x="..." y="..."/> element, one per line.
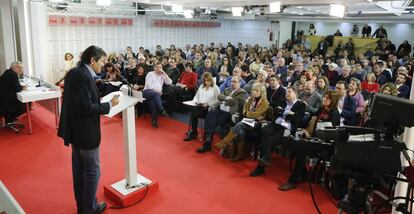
<point x="286" y="82"/>
<point x="349" y="110"/>
<point x="404" y="91"/>
<point x="81" y="109"/>
<point x="276" y="97"/>
<point x="9" y="86"/>
<point x="296" y="119"/>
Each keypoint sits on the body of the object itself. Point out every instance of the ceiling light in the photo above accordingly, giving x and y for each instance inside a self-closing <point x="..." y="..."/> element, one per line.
<point x="177" y="8"/>
<point x="103" y="2"/>
<point x="56" y="0"/>
<point x="275" y="7"/>
<point x="188" y="14"/>
<point x="370" y="1"/>
<point x="337" y="10"/>
<point x="237" y="11"/>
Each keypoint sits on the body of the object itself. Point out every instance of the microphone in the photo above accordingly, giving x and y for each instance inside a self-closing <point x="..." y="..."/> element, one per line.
<point x="128" y="84"/>
<point x="32" y="77"/>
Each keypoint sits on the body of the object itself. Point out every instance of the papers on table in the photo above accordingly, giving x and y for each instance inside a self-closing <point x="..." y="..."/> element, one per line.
<point x="248" y="121"/>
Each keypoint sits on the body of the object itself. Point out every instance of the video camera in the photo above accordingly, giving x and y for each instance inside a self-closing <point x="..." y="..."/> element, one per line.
<point x="368" y="155"/>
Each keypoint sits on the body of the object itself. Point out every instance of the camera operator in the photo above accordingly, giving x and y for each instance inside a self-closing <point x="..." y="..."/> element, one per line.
<point x="328" y="112"/>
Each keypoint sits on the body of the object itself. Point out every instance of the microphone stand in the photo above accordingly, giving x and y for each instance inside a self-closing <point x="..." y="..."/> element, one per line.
<point x="128" y="84"/>
<point x="38" y="80"/>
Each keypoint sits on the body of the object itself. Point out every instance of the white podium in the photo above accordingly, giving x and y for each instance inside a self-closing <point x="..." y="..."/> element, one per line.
<point x="128" y="190"/>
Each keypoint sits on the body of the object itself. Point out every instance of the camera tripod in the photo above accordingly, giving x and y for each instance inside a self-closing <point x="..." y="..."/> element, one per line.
<point x="356" y="201"/>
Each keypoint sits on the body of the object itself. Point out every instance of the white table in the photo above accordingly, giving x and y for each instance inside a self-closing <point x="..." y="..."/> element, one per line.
<point x="46" y="92"/>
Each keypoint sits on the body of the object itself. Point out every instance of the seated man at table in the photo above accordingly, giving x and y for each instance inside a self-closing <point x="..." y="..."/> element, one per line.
<point x="9" y="86"/>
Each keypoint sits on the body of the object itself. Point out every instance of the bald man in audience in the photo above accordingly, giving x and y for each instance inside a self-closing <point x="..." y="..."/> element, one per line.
<point x="227" y="83"/>
<point x="281" y="67"/>
<point x="312" y="100"/>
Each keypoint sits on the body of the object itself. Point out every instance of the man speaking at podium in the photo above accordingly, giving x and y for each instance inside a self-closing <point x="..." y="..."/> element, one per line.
<point x="80" y="126"/>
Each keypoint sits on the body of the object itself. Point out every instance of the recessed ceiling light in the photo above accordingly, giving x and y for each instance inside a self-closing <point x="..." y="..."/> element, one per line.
<point x="237" y="11"/>
<point x="274" y="7"/>
<point x="337" y="10"/>
<point x="103" y="2"/>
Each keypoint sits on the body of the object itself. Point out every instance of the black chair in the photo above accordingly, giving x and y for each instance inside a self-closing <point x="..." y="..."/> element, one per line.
<point x="4" y="112"/>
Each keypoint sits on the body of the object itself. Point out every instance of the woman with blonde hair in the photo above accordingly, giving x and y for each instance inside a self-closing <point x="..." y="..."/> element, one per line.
<point x="255" y="108"/>
<point x="370" y="85"/>
<point x="205" y="99"/>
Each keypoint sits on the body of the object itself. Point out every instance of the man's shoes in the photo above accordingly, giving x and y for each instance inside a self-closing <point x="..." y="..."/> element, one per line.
<point x="101" y="207"/>
<point x="154" y="123"/>
<point x="205" y="148"/>
<point x="191" y="136"/>
<point x="260" y="170"/>
<point x="287" y="186"/>
<point x="165" y="114"/>
<point x="263" y="162"/>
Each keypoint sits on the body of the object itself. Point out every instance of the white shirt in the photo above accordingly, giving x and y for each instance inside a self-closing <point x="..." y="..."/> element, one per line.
<point x="208" y="96"/>
<point x="155" y="82"/>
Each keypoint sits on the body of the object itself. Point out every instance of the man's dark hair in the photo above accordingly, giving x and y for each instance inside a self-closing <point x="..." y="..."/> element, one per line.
<point x="343" y="83"/>
<point x="291" y="67"/>
<point x="244" y="67"/>
<point x="94" y="52"/>
<point x="189" y="65"/>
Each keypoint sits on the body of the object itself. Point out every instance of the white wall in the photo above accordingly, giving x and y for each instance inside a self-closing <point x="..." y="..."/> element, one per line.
<point x="285" y="32"/>
<point x="72" y="39"/>
<point x="7" y="35"/>
<point x="397" y="33"/>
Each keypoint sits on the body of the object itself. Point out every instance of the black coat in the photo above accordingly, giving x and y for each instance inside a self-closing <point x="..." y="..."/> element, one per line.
<point x="296" y="119"/>
<point x="81" y="109"/>
<point x="276" y="97"/>
<point x="9" y="86"/>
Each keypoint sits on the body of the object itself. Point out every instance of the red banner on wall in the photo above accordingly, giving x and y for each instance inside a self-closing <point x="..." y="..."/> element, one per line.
<point x="73" y="20"/>
<point x="115" y="21"/>
<point x="92" y="21"/>
<point x="81" y="21"/>
<point x="55" y="20"/>
<point x="108" y="21"/>
<point x="179" y="23"/>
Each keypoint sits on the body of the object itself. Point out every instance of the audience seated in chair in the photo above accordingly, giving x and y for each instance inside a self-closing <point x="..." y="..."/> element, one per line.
<point x="276" y="93"/>
<point x="328" y="112"/>
<point x="187" y="84"/>
<point x="288" y="118"/>
<point x="255" y="108"/>
<point x="138" y="82"/>
<point x="205" y="99"/>
<point x="232" y="100"/>
<point x="153" y="90"/>
<point x="227" y="82"/>
<point x="312" y="100"/>
<point x="260" y="78"/>
<point x="346" y="105"/>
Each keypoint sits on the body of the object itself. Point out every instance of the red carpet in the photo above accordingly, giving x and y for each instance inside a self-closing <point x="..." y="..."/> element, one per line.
<point x="37" y="171"/>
